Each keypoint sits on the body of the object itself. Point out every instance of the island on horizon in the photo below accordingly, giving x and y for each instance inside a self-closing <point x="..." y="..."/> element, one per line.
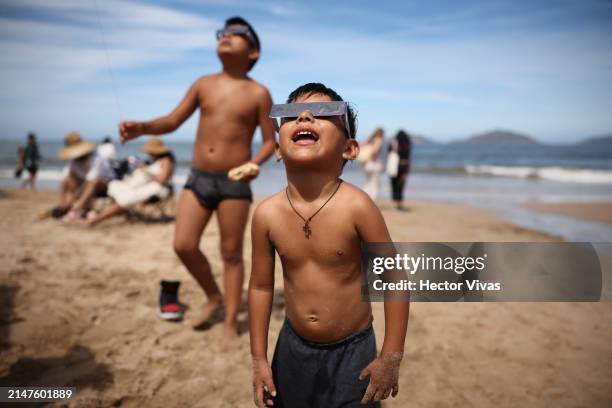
<point x="498" y="136"/>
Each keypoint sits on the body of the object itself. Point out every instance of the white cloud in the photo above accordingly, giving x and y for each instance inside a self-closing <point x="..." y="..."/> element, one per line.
<point x="135" y="34"/>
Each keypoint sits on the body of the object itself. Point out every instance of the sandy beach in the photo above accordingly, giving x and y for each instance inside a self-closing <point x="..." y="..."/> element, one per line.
<point x="78" y="308"/>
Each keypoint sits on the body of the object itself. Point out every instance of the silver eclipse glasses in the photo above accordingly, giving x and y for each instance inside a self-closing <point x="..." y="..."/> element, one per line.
<point x="240" y="30"/>
<point x="285" y="111"/>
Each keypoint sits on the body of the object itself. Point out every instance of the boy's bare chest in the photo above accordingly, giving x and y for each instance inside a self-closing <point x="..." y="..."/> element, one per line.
<point x="233" y="100"/>
<point x="320" y="242"/>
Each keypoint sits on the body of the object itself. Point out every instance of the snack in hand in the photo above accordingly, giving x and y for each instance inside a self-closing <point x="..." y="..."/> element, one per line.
<point x="248" y="169"/>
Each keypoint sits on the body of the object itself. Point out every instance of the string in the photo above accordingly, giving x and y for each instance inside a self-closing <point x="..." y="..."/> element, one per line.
<point x="108" y="64"/>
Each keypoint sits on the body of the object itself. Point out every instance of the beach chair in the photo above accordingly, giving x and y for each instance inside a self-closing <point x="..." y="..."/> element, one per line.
<point x="156" y="209"/>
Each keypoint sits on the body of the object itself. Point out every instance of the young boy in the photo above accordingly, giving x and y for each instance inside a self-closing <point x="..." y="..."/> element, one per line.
<point x="326" y="348"/>
<point x="231" y="106"/>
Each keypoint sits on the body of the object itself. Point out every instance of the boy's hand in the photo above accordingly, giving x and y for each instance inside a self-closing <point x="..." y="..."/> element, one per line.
<point x="383" y="373"/>
<point x="263" y="385"/>
<point x="130" y="130"/>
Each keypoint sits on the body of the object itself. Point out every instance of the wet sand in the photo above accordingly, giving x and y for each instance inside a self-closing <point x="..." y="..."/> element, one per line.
<point x="596" y="211"/>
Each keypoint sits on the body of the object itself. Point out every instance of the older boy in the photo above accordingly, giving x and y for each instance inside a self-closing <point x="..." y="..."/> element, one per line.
<point x="231" y="106"/>
<point x="326" y="347"/>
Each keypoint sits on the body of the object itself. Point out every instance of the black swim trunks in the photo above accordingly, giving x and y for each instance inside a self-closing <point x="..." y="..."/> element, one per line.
<point x="315" y="375"/>
<point x="212" y="188"/>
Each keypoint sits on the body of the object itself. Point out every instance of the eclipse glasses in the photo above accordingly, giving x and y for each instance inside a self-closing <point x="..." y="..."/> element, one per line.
<point x="240" y="30"/>
<point x="287" y="111"/>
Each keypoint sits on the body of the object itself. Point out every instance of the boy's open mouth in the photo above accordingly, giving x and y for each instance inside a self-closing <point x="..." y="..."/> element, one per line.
<point x="305" y="137"/>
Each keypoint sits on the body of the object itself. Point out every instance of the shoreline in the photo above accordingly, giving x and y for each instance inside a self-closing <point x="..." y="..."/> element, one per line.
<point x="588" y="211"/>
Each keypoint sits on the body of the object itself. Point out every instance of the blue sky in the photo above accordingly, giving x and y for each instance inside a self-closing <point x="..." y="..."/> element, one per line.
<point x="443" y="69"/>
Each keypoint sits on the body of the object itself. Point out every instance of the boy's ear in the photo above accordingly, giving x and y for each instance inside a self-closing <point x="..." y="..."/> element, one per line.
<point x="351" y="150"/>
<point x="277" y="152"/>
<point x="253" y="54"/>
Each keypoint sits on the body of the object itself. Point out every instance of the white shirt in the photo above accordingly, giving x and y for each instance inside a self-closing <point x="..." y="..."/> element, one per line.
<point x="107" y="151"/>
<point x="94" y="168"/>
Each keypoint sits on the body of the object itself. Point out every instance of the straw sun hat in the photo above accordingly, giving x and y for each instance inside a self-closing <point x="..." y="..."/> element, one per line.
<point x="155" y="146"/>
<point x="75" y="147"/>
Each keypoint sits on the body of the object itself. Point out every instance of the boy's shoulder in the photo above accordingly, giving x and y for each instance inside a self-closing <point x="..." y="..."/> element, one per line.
<point x="251" y="86"/>
<point x="204" y="82"/>
<point x="358" y="205"/>
<point x="270" y="206"/>
<point x="207" y="79"/>
<point x="259" y="88"/>
<point x="355" y="198"/>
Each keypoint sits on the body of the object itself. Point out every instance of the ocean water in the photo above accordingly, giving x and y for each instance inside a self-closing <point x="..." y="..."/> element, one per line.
<point x="498" y="177"/>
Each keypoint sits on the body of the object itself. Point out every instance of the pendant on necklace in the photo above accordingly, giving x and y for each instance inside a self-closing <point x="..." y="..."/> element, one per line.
<point x="306" y="229"/>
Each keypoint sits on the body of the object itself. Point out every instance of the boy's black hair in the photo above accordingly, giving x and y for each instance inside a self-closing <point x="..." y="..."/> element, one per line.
<point x="241" y="21"/>
<point x="319" y="88"/>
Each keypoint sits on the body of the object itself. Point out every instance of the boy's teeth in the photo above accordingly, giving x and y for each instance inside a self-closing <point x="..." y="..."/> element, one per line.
<point x="305" y="135"/>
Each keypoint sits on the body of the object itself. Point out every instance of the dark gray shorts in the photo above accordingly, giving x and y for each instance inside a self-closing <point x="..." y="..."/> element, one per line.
<point x="212" y="188"/>
<point x="315" y="375"/>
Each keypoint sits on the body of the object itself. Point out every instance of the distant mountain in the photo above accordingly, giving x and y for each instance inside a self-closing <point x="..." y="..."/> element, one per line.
<point x="499" y="137"/>
<point x="417" y="139"/>
<point x="605" y="140"/>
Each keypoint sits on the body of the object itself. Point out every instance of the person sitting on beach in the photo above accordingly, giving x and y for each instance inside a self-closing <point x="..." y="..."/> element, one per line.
<point x="231" y="106"/>
<point x="369" y="157"/>
<point x="86" y="176"/>
<point x="326" y="347"/>
<point x="152" y="180"/>
<point x="29" y="157"/>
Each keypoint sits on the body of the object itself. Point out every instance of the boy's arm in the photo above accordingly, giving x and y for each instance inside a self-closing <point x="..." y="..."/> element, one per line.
<point x="248" y="171"/>
<point x="384" y="370"/>
<point x="260" y="297"/>
<point x="267" y="130"/>
<point x="164" y="124"/>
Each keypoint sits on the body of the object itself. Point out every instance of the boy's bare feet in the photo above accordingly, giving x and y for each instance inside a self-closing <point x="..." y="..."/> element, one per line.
<point x="231" y="341"/>
<point x="211" y="313"/>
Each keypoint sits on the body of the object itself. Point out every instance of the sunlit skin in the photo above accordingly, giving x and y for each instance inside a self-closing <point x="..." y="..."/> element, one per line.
<point x="322" y="273"/>
<point x="231" y="106"/>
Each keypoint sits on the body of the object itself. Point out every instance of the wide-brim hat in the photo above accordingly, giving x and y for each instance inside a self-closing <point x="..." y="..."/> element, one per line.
<point x="155" y="146"/>
<point x="75" y="147"/>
